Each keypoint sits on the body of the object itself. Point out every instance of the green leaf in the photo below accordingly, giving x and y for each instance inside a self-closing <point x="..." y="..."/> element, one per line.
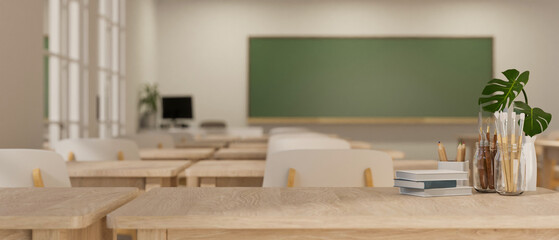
<point x="499" y="94"/>
<point x="536" y="120"/>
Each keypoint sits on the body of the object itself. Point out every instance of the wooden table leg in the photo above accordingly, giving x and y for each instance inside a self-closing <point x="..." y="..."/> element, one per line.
<point x="208" y="182"/>
<point x="192" y="181"/>
<point x="155" y="234"/>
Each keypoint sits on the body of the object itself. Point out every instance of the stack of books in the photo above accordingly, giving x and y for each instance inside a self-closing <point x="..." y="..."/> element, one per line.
<point x="432" y="183"/>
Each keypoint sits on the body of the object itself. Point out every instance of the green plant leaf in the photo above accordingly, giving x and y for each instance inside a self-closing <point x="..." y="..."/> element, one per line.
<point x="536" y="120"/>
<point x="499" y="94"/>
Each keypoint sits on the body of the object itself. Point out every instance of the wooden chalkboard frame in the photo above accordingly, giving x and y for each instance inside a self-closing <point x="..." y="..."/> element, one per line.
<point x="361" y="120"/>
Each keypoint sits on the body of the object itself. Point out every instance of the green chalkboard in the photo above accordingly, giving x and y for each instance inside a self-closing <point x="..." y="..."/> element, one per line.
<point x="367" y="77"/>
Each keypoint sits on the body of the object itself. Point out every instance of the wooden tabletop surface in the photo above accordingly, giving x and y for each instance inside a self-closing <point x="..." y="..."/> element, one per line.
<point x="252" y="145"/>
<point x="176" y="153"/>
<point x="227" y="168"/>
<point x="201" y="144"/>
<point x="59" y="208"/>
<point x="547" y="143"/>
<point x="332" y="208"/>
<point x="241" y="153"/>
<point x="407" y="164"/>
<point x="127" y="168"/>
<point x="354" y="145"/>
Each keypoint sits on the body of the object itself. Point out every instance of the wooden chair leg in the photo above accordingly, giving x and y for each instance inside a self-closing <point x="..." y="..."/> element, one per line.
<point x="291" y="178"/>
<point x="369" y="178"/>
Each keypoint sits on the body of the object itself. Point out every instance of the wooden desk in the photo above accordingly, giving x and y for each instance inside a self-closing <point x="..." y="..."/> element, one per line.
<point x="249" y="145"/>
<point x="354" y="145"/>
<point x="335" y="213"/>
<point x="547" y="161"/>
<point x="360" y="145"/>
<point x="250" y="173"/>
<point x="202" y="144"/>
<point x="59" y="213"/>
<point x="415" y="164"/>
<point x="241" y="153"/>
<point x="176" y="154"/>
<point x="394" y="154"/>
<point x="141" y="174"/>
<point x="226" y="173"/>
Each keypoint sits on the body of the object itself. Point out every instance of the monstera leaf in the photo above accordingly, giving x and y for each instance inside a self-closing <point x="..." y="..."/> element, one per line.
<point x="536" y="120"/>
<point x="499" y="94"/>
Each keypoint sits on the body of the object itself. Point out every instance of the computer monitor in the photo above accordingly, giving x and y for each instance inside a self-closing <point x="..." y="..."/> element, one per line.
<point x="177" y="107"/>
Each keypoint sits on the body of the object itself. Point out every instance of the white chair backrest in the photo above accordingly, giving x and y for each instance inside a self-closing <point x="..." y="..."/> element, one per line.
<point x="286" y="144"/>
<point x="152" y="140"/>
<point x="329" y="168"/>
<point x="16" y="168"/>
<point x="282" y="130"/>
<point x="96" y="149"/>
<point x="245" y="132"/>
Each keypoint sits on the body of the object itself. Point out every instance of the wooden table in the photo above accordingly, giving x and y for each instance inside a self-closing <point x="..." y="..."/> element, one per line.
<point x="144" y="175"/>
<point x="202" y="144"/>
<point x="59" y="213"/>
<point x="335" y="213"/>
<point x="226" y="173"/>
<point x="547" y="162"/>
<point x="394" y="154"/>
<point x="176" y="153"/>
<point x="354" y="145"/>
<point x="415" y="164"/>
<point x="252" y="145"/>
<point x="250" y="173"/>
<point x="241" y="153"/>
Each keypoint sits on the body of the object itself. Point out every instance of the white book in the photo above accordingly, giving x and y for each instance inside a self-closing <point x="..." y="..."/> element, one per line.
<point x="425" y="184"/>
<point x="437" y="192"/>
<point x="431" y="175"/>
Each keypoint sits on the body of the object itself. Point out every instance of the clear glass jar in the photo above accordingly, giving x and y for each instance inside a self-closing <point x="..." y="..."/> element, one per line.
<point x="483" y="169"/>
<point x="511" y="172"/>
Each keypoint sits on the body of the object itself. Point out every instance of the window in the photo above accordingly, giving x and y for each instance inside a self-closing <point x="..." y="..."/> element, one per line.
<point x="112" y="78"/>
<point x="69" y="65"/>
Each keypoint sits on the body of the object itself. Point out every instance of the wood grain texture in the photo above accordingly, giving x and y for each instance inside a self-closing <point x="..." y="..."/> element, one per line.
<point x="401" y="234"/>
<point x="135" y="182"/>
<point x="250" y="145"/>
<point x="360" y="145"/>
<point x="333" y="208"/>
<point x="402" y="164"/>
<point x="354" y="145"/>
<point x="176" y="153"/>
<point x="95" y="231"/>
<point x="241" y="153"/>
<point x="15" y="234"/>
<point x="202" y="144"/>
<point x="394" y="154"/>
<point x="127" y="168"/>
<point x="59" y="208"/>
<point x="549" y="158"/>
<point x="152" y="234"/>
<point x="227" y="168"/>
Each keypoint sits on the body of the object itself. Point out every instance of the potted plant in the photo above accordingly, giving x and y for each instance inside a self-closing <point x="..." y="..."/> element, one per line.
<point x="149" y="98"/>
<point x="499" y="95"/>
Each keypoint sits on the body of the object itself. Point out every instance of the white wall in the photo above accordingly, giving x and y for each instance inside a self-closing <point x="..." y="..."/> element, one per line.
<point x="21" y="73"/>
<point x="202" y="49"/>
<point x="141" y="61"/>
